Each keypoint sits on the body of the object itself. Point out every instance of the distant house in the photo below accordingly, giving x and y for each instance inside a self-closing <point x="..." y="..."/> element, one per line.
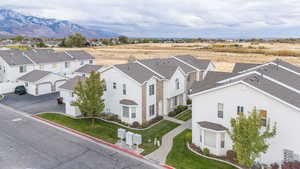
<point x="272" y="88"/>
<point x="16" y="63"/>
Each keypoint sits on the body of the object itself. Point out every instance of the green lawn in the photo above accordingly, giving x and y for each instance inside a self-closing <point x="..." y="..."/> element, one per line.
<point x="185" y="116"/>
<point x="108" y="131"/>
<point x="181" y="157"/>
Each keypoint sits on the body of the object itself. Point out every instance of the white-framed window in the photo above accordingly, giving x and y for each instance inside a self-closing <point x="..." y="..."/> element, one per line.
<point x="177" y="84"/>
<point x="41" y="67"/>
<point x="125" y="111"/>
<point x="189" y="78"/>
<point x="264" y="116"/>
<point x="152" y="110"/>
<point x="22" y="68"/>
<point x="67" y="64"/>
<point x="220" y="110"/>
<point x="151" y="90"/>
<point x="26" y="84"/>
<point x="175" y="100"/>
<point x="114" y="85"/>
<point x="133" y="112"/>
<point x="222" y="140"/>
<point x="288" y="155"/>
<point x="201" y="137"/>
<point x="210" y="138"/>
<point x="124" y="89"/>
<point x="240" y="109"/>
<point x="91" y="61"/>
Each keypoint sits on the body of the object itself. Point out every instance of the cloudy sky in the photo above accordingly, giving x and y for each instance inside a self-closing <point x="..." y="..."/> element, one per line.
<point x="174" y="18"/>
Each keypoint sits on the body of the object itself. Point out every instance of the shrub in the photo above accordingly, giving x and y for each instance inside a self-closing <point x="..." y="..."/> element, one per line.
<point x="112" y="117"/>
<point x="231" y="155"/>
<point x="206" y="151"/>
<point x="188" y="137"/>
<point x="145" y="124"/>
<point x="274" y="166"/>
<point x="291" y="165"/>
<point x="152" y="121"/>
<point x="189" y="102"/>
<point x="172" y="113"/>
<point x="136" y="125"/>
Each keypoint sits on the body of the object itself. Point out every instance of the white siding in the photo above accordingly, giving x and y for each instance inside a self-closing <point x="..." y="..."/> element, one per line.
<point x="287" y="118"/>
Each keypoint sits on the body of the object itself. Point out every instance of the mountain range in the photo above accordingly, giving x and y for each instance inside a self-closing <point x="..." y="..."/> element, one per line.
<point x="13" y="23"/>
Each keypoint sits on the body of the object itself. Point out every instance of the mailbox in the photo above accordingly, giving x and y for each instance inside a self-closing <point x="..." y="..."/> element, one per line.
<point x="137" y="139"/>
<point x="129" y="138"/>
<point x="121" y="133"/>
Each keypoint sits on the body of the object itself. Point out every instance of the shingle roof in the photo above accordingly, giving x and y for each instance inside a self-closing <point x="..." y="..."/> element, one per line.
<point x="88" y="68"/>
<point x="80" y="54"/>
<point x="287" y="65"/>
<point x="72" y="83"/>
<point x="14" y="57"/>
<point x="136" y="71"/>
<point x="201" y="64"/>
<point x="238" y="67"/>
<point x="18" y="57"/>
<point x="34" y="76"/>
<point x="128" y="102"/>
<point x="212" y="126"/>
<point x="210" y="81"/>
<point x="166" y="67"/>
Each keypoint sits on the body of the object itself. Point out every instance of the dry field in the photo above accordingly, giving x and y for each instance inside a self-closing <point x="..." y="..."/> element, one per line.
<point x="224" y="61"/>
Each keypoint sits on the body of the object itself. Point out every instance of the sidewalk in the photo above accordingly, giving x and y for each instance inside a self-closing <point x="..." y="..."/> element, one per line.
<point x="160" y="155"/>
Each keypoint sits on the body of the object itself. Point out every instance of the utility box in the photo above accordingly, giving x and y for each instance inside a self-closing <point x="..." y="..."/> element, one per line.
<point x="137" y="139"/>
<point x="121" y="133"/>
<point x="129" y="138"/>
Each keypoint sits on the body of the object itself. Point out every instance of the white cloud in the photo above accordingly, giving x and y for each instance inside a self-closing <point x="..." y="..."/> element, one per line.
<point x="167" y="17"/>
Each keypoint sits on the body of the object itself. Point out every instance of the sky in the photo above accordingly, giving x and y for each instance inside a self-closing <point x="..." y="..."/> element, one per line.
<point x="174" y="18"/>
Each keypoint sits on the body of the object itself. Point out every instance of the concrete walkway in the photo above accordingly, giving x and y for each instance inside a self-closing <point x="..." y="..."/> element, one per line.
<point x="174" y="120"/>
<point x="160" y="155"/>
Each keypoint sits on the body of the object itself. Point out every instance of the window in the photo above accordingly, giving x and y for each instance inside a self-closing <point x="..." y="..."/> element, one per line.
<point x="41" y="67"/>
<point x="67" y="64"/>
<point x="240" y="109"/>
<point x="200" y="136"/>
<point x="151" y="90"/>
<point x="81" y="62"/>
<point x="263" y="114"/>
<point x="72" y="94"/>
<point x="22" y="69"/>
<point x="177" y="84"/>
<point x="222" y="140"/>
<point x="220" y="110"/>
<point x="133" y="112"/>
<point x="114" y="85"/>
<point x="210" y="139"/>
<point x="54" y="65"/>
<point x="26" y="84"/>
<point x="124" y="89"/>
<point x="126" y="111"/>
<point x="175" y="100"/>
<point x="288" y="155"/>
<point x="189" y="78"/>
<point x="91" y="61"/>
<point x="152" y="110"/>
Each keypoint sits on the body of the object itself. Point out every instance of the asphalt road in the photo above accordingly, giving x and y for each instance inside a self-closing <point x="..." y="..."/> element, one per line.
<point x="28" y="144"/>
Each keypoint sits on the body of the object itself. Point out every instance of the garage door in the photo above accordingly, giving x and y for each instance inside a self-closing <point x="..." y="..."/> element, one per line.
<point x="43" y="89"/>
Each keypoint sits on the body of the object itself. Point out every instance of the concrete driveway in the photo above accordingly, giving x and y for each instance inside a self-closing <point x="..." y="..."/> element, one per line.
<point x="28" y="144"/>
<point x="33" y="104"/>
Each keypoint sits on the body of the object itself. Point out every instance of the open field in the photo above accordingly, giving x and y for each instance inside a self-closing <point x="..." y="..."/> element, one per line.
<point x="223" y="55"/>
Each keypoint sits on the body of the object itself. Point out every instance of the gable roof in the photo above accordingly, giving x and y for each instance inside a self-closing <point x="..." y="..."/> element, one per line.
<point x="79" y="54"/>
<point x="39" y="56"/>
<point x="72" y="83"/>
<point x="14" y="57"/>
<point x="212" y="126"/>
<point x="34" y="76"/>
<point x="136" y="72"/>
<point x="88" y="68"/>
<point x="166" y="67"/>
<point x="238" y="67"/>
<point x="128" y="102"/>
<point x="200" y="64"/>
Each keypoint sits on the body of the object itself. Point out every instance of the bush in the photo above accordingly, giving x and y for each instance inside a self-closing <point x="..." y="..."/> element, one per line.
<point x="189" y="102"/>
<point x="291" y="165"/>
<point x="136" y="125"/>
<point x="112" y="117"/>
<point x="172" y="114"/>
<point x="177" y="110"/>
<point x="152" y="121"/>
<point x="206" y="151"/>
<point x="274" y="166"/>
<point x="231" y="155"/>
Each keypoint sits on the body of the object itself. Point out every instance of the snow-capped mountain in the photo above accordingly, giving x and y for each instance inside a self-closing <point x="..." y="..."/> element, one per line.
<point x="13" y="23"/>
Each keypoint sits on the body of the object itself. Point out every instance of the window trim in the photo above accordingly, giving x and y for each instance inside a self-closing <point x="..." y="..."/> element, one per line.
<point x="123" y="111"/>
<point x="114" y="85"/>
<point x="177" y="84"/>
<point x="220" y="108"/>
<point x="124" y="89"/>
<point x="152" y="107"/>
<point x="151" y="90"/>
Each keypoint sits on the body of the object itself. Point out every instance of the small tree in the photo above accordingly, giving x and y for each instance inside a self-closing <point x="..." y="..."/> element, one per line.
<point x="41" y="44"/>
<point x="249" y="137"/>
<point x="123" y="39"/>
<point x="89" y="96"/>
<point x="76" y="40"/>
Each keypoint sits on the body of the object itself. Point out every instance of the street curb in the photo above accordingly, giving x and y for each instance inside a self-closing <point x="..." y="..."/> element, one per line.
<point x="98" y="140"/>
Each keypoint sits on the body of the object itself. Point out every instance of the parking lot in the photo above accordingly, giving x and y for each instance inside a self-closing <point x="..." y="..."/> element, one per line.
<point x="33" y="104"/>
